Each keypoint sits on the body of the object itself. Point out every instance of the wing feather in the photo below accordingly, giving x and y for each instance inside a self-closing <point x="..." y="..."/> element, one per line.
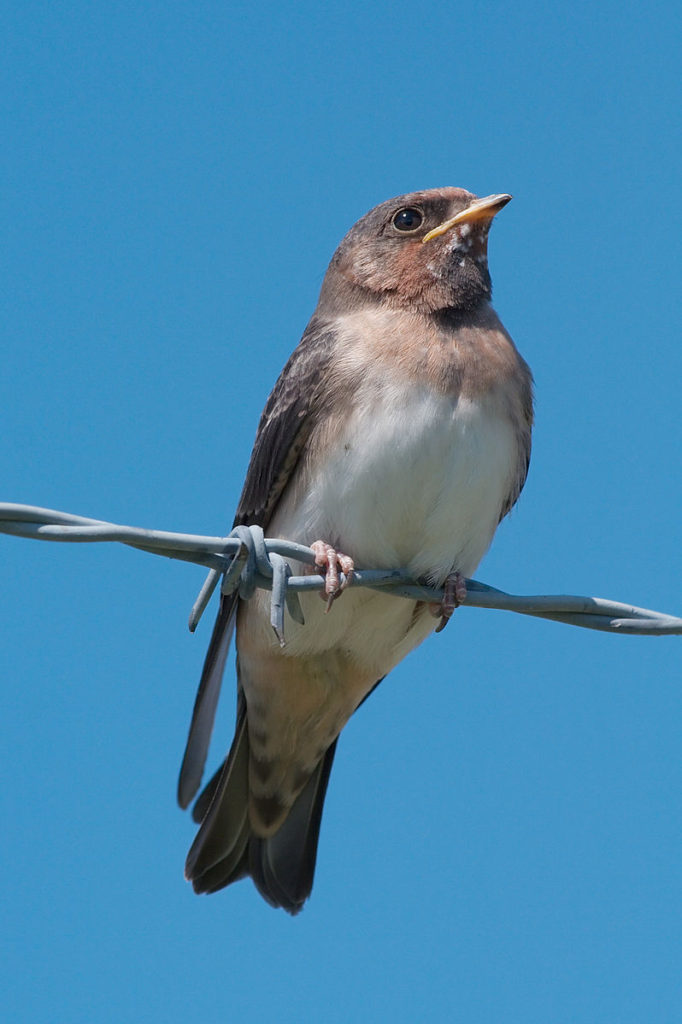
<point x="288" y="420"/>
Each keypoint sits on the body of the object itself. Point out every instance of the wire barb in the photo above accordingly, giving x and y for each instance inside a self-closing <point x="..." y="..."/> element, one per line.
<point x="248" y="561"/>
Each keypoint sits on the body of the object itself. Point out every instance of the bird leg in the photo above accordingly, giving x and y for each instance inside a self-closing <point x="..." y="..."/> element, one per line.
<point x="454" y="594"/>
<point x="329" y="560"/>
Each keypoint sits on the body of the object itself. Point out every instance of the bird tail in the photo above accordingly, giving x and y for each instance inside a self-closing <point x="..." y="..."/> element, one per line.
<point x="225" y="848"/>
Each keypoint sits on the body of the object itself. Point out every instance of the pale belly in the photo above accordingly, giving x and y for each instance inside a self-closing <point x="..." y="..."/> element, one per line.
<point x="418" y="482"/>
<point x="414" y="480"/>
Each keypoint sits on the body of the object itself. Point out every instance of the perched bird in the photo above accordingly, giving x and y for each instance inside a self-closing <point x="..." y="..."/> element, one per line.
<point x="397" y="435"/>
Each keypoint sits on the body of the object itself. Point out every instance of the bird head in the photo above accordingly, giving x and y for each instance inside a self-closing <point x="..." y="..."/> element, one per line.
<point x="423" y="250"/>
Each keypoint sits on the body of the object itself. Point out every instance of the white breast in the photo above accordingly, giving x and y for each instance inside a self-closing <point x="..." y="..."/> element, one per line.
<point x="415" y="479"/>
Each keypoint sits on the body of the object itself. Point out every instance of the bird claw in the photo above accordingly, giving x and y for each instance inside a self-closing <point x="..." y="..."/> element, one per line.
<point x="329" y="560"/>
<point x="454" y="594"/>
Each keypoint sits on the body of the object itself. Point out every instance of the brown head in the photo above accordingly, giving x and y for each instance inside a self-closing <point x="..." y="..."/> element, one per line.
<point x="424" y="251"/>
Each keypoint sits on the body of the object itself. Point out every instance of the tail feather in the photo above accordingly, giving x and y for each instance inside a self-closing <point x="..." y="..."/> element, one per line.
<point x="229" y="869"/>
<point x="224" y="827"/>
<point x="225" y="848"/>
<point x="283" y="866"/>
<point x="203" y="801"/>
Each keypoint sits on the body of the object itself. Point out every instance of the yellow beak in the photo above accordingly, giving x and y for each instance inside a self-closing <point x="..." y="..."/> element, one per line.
<point x="480" y="209"/>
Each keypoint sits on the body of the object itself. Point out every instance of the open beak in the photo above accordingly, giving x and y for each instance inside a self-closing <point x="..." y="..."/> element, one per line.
<point x="480" y="209"/>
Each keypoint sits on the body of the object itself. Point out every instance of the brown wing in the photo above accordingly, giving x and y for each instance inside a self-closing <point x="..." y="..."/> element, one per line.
<point x="285" y="426"/>
<point x="288" y="418"/>
<point x="524" y="428"/>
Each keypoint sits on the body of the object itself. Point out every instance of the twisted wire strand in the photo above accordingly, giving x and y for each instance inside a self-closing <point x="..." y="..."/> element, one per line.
<point x="247" y="560"/>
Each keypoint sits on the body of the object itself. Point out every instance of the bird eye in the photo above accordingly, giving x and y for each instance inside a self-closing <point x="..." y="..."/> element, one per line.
<point x="408" y="219"/>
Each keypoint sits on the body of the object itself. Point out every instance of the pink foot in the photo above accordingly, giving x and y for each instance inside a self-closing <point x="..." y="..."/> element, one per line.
<point x="330" y="561"/>
<point x="454" y="594"/>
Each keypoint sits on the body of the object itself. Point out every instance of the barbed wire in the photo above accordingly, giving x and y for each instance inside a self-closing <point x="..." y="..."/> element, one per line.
<point x="247" y="560"/>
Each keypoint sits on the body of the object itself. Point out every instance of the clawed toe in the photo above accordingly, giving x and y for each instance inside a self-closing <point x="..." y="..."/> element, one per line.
<point x="330" y="561"/>
<point x="454" y="594"/>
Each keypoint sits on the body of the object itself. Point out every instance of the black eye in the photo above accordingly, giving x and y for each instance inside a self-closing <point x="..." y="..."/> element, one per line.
<point x="408" y="219"/>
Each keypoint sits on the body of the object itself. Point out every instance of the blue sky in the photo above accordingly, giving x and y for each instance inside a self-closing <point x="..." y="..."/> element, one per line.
<point x="502" y="837"/>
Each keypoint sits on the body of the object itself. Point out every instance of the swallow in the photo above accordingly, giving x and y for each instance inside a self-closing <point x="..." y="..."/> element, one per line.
<point x="398" y="435"/>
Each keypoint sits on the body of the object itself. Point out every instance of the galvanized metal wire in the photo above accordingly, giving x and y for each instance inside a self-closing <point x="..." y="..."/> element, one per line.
<point x="247" y="560"/>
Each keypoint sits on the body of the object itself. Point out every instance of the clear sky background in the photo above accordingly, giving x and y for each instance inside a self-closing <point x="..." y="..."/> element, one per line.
<point x="502" y="839"/>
